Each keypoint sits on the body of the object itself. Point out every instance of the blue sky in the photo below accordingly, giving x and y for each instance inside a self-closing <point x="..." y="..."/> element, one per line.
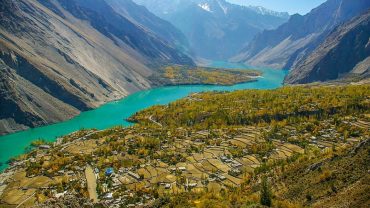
<point x="291" y="6"/>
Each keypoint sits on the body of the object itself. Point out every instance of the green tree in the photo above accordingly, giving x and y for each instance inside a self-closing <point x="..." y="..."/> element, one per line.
<point x="266" y="194"/>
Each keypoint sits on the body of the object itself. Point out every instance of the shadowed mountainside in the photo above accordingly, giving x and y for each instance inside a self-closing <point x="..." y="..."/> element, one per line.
<point x="344" y="54"/>
<point x="61" y="57"/>
<point x="296" y="39"/>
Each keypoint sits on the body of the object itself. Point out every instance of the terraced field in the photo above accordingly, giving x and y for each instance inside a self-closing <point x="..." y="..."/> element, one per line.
<point x="209" y="147"/>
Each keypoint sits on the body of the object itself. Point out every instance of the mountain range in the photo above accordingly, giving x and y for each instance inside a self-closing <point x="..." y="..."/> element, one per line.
<point x="345" y="55"/>
<point x="276" y="145"/>
<point x="290" y="44"/>
<point x="215" y="29"/>
<point x="60" y="57"/>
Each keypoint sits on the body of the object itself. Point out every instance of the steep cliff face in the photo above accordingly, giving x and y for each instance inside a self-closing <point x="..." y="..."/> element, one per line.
<point x="104" y="17"/>
<point x="345" y="52"/>
<point x="24" y="104"/>
<point x="142" y="16"/>
<point x="61" y="57"/>
<point x="294" y="40"/>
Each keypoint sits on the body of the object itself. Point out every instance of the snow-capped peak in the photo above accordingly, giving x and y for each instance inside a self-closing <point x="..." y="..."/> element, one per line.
<point x="205" y="6"/>
<point x="264" y="11"/>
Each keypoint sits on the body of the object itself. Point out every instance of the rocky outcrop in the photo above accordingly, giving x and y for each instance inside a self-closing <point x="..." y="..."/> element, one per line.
<point x="293" y="41"/>
<point x="60" y="57"/>
<point x="345" y="52"/>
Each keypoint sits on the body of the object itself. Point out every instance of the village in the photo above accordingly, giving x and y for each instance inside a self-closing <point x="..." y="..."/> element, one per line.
<point x="134" y="166"/>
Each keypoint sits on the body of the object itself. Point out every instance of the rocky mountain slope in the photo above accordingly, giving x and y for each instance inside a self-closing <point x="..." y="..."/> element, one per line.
<point x="215" y="29"/>
<point x="141" y="16"/>
<point x="60" y="57"/>
<point x="294" y="40"/>
<point x="344" y="54"/>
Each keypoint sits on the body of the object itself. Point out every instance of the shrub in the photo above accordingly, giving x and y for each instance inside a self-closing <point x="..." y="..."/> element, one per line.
<point x="325" y="175"/>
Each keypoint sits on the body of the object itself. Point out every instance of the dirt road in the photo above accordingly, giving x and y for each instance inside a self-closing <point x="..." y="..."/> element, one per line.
<point x="91" y="183"/>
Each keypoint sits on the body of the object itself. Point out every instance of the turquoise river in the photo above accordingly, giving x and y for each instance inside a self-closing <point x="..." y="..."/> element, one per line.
<point x="115" y="113"/>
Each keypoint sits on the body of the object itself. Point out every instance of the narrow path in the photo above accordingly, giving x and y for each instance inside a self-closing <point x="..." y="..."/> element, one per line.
<point x="25" y="200"/>
<point x="91" y="183"/>
<point x="152" y="120"/>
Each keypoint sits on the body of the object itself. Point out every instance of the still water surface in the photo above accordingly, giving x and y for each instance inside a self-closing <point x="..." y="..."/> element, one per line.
<point x="115" y="113"/>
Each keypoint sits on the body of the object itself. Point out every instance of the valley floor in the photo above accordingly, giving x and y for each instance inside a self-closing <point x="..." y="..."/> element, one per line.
<point x="167" y="76"/>
<point x="310" y="143"/>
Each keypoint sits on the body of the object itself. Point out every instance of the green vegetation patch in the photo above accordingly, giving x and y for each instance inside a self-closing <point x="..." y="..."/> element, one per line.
<point x="250" y="107"/>
<point x="182" y="75"/>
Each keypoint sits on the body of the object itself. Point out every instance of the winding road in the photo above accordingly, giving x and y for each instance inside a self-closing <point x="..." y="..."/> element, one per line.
<point x="154" y="121"/>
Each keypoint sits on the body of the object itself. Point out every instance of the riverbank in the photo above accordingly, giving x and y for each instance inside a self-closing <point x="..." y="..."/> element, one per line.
<point x="182" y="148"/>
<point x="176" y="75"/>
<point x="114" y="113"/>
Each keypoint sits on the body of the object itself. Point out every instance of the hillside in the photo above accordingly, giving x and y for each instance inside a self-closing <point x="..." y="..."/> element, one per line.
<point x="345" y="53"/>
<point x="156" y="25"/>
<point x="62" y="57"/>
<point x="301" y="146"/>
<point x="215" y="29"/>
<point x="286" y="46"/>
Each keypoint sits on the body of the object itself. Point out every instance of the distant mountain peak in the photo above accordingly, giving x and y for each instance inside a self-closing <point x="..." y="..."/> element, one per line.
<point x="212" y="5"/>
<point x="205" y="6"/>
<point x="300" y="35"/>
<point x="215" y="29"/>
<point x="264" y="11"/>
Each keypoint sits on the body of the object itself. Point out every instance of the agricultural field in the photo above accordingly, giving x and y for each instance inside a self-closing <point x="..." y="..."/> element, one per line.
<point x="226" y="151"/>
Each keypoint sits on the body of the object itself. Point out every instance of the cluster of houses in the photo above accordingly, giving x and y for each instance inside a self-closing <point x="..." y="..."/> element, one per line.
<point x="188" y="184"/>
<point x="322" y="139"/>
<point x="107" y="196"/>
